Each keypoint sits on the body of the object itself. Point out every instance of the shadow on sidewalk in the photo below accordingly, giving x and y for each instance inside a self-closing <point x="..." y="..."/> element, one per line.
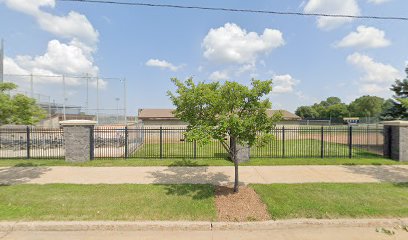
<point x="19" y="175"/>
<point x="394" y="174"/>
<point x="189" y="180"/>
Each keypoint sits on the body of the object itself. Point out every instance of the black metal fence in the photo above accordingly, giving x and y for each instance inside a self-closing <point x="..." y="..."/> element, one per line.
<point x="135" y="142"/>
<point x="30" y="142"/>
<point x="289" y="142"/>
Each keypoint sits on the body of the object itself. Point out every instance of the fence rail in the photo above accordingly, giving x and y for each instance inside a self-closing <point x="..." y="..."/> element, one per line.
<point x="135" y="142"/>
<point x="30" y="142"/>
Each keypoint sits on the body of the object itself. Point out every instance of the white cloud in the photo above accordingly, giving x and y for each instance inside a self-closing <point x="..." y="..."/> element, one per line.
<point x="72" y="26"/>
<point x="365" y="37"/>
<point x="345" y="7"/>
<point x="245" y="68"/>
<point x="377" y="2"/>
<point x="283" y="83"/>
<point x="11" y="67"/>
<point x="62" y="58"/>
<point x="219" y="76"/>
<point x="73" y="58"/>
<point x="59" y="59"/>
<point x="231" y="44"/>
<point x="377" y="77"/>
<point x="163" y="64"/>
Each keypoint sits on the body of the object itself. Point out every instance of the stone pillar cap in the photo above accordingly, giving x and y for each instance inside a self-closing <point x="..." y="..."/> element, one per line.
<point x="396" y="123"/>
<point x="78" y="123"/>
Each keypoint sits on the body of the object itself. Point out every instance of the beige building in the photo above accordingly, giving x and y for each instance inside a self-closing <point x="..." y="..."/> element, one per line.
<point x="165" y="117"/>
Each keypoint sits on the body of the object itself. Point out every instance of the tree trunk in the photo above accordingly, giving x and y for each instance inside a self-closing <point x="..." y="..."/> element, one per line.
<point x="236" y="181"/>
<point x="233" y="156"/>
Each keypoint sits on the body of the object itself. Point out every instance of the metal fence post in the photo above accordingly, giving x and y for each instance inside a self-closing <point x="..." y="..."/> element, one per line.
<point x="350" y="140"/>
<point x="92" y="144"/>
<point x="126" y="142"/>
<point x="195" y="149"/>
<point x="283" y="141"/>
<point x="161" y="142"/>
<point x="322" y="143"/>
<point x="28" y="142"/>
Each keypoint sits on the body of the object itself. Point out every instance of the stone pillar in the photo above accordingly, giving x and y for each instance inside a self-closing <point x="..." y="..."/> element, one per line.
<point x="78" y="136"/>
<point x="396" y="140"/>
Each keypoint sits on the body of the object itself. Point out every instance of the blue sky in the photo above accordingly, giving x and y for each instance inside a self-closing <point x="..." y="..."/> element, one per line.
<point x="308" y="58"/>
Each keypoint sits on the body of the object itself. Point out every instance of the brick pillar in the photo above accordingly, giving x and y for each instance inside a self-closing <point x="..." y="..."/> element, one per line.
<point x="78" y="140"/>
<point x="396" y="140"/>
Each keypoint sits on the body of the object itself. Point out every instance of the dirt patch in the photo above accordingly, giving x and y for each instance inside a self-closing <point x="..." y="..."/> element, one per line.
<point x="239" y="207"/>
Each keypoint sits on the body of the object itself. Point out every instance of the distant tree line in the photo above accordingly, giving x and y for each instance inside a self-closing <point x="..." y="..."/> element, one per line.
<point x="365" y="106"/>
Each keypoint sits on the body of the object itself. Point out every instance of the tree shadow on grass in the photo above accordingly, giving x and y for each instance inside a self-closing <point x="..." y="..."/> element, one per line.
<point x="196" y="191"/>
<point x="19" y="175"/>
<point x="385" y="173"/>
<point x="401" y="185"/>
<point x="186" y="163"/>
<point x="189" y="181"/>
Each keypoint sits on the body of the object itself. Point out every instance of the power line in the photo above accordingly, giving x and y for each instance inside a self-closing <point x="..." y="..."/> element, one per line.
<point x="239" y="10"/>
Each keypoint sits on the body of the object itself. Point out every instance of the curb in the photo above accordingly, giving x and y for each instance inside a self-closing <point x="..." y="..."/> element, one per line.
<point x="195" y="226"/>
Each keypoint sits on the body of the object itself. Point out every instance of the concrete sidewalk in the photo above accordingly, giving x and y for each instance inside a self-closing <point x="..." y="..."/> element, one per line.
<point x="213" y="175"/>
<point x="369" y="229"/>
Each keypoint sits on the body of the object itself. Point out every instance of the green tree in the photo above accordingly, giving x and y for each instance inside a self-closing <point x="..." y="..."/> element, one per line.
<point x="364" y="106"/>
<point x="218" y="111"/>
<point x="306" y="112"/>
<point x="338" y="110"/>
<point x="404" y="102"/>
<point x="332" y="107"/>
<point x="399" y="110"/>
<point x="18" y="109"/>
<point x="331" y="101"/>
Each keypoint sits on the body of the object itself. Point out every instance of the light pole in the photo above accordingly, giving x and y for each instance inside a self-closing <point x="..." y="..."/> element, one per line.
<point x="97" y="99"/>
<point x="87" y="94"/>
<point x="65" y="97"/>
<point x="1" y="60"/>
<point x="125" y="100"/>
<point x="31" y="85"/>
<point x="117" y="109"/>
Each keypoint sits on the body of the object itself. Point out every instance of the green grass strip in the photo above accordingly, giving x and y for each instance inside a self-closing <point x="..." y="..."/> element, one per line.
<point x="323" y="200"/>
<point x="107" y="202"/>
<point x="197" y="162"/>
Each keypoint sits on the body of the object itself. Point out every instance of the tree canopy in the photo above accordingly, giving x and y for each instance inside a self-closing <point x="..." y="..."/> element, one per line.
<point x="18" y="109"/>
<point x="367" y="106"/>
<point x="221" y="111"/>
<point x="334" y="108"/>
<point x="399" y="109"/>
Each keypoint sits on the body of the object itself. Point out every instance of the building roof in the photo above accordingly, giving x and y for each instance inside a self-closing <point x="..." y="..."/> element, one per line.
<point x="286" y="115"/>
<point x="166" y="114"/>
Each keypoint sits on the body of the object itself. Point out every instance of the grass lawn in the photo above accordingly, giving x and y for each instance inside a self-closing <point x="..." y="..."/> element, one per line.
<point x="198" y="162"/>
<point x="322" y="200"/>
<point x="129" y="202"/>
<point x="107" y="202"/>
<point x="278" y="148"/>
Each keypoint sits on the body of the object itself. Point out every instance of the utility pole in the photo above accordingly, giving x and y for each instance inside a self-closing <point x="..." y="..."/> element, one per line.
<point x="1" y="61"/>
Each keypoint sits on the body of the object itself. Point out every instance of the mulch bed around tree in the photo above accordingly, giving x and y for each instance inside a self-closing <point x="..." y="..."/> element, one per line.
<point x="242" y="206"/>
